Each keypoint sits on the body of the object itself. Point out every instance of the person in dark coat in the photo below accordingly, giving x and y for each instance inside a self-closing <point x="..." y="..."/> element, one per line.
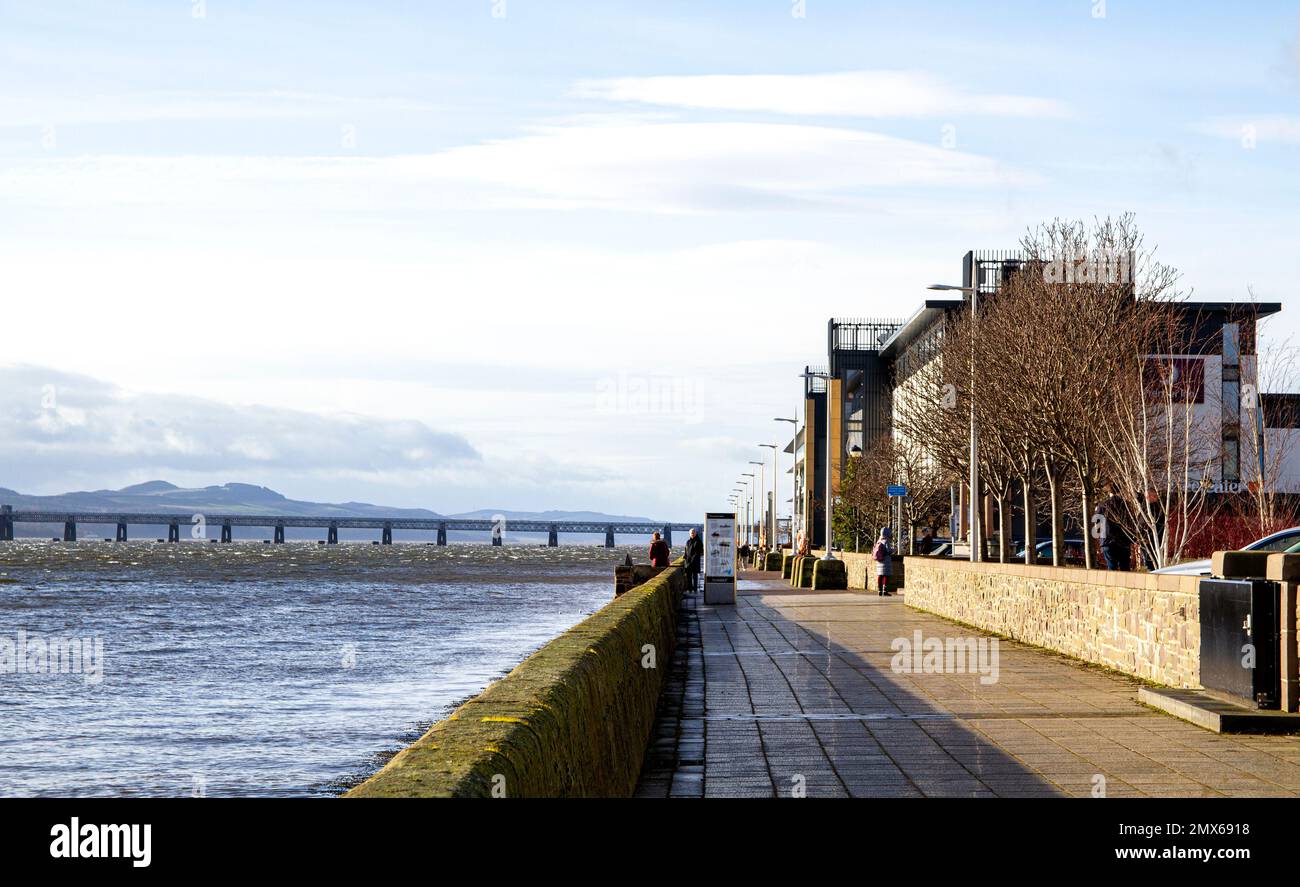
<point x="658" y="551"/>
<point x="1116" y="543"/>
<point x="694" y="558"/>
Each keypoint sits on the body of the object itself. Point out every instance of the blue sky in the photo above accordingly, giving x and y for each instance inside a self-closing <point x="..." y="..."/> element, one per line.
<point x="583" y="247"/>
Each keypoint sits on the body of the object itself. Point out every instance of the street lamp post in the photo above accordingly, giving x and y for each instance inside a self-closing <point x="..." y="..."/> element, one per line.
<point x="795" y="433"/>
<point x="772" y="537"/>
<point x="760" y="505"/>
<point x="737" y="493"/>
<point x="744" y="503"/>
<point x="749" y="508"/>
<point x="976" y="537"/>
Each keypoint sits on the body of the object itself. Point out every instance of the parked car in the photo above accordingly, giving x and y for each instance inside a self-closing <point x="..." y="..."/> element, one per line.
<point x="1043" y="552"/>
<point x="943" y="546"/>
<point x="1285" y="541"/>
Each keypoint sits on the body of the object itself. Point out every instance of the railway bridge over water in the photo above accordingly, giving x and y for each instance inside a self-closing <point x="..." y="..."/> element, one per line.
<point x="198" y="524"/>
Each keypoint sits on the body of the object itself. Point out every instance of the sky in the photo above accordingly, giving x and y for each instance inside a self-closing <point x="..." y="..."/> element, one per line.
<point x="531" y="255"/>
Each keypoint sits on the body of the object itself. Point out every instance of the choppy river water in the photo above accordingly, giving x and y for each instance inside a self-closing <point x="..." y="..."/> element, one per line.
<point x="250" y="669"/>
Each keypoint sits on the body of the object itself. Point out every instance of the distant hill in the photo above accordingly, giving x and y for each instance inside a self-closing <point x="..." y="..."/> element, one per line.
<point x="161" y="497"/>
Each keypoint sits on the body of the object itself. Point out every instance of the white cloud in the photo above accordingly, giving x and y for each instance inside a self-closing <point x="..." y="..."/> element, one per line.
<point x="173" y="106"/>
<point x="118" y="432"/>
<point x="640" y="167"/>
<point x="1262" y="129"/>
<point x="846" y="94"/>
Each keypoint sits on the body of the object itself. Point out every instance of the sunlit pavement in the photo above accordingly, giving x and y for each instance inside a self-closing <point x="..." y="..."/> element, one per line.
<point x="792" y="693"/>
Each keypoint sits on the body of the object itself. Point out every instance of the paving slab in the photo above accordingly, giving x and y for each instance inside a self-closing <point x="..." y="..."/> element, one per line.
<point x="796" y="692"/>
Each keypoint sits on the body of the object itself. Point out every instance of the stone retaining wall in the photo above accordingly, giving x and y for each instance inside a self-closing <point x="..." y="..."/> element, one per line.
<point x="1138" y="623"/>
<point x="572" y="720"/>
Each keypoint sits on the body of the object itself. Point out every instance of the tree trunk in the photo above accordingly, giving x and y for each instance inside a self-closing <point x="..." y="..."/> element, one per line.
<point x="1058" y="515"/>
<point x="1089" y="555"/>
<point x="1004" y="528"/>
<point x="1031" y="520"/>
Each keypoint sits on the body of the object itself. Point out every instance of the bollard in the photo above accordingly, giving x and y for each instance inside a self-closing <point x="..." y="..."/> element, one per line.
<point x="829" y="574"/>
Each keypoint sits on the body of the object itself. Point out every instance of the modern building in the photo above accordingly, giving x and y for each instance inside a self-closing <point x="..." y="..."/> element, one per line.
<point x="874" y="363"/>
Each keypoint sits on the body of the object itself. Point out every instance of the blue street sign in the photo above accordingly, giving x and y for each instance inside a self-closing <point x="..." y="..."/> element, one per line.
<point x="896" y="490"/>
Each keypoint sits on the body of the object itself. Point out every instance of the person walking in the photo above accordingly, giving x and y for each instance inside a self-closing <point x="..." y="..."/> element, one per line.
<point x="658" y="551"/>
<point x="694" y="556"/>
<point x="925" y="544"/>
<point x="1116" y="544"/>
<point x="883" y="555"/>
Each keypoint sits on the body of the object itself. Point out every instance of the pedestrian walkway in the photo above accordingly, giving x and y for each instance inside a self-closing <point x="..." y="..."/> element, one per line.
<point x="791" y="692"/>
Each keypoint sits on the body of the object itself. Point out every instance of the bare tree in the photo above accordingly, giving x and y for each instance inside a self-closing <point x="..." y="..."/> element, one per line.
<point x="1082" y="281"/>
<point x="928" y="485"/>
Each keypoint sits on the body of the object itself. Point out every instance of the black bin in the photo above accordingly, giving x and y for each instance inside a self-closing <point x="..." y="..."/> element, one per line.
<point x="1236" y="616"/>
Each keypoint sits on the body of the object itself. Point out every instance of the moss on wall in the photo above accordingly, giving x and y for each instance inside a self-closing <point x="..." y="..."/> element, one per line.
<point x="572" y="720"/>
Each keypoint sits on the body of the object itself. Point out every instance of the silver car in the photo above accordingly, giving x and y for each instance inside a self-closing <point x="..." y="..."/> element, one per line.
<point x="1284" y="541"/>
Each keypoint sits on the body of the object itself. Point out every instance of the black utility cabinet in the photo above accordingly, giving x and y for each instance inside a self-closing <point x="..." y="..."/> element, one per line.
<point x="1236" y="613"/>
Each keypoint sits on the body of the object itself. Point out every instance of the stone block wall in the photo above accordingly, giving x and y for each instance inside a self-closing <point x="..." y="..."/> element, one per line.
<point x="1138" y="623"/>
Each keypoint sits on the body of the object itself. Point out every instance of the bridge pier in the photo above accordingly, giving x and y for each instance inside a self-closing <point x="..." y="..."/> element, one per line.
<point x="279" y="534"/>
<point x="609" y="536"/>
<point x="496" y="534"/>
<point x="553" y="537"/>
<point x="442" y="534"/>
<point x="6" y="523"/>
<point x="226" y="534"/>
<point x="173" y="532"/>
<point x="69" y="531"/>
<point x="388" y="534"/>
<point x="121" y="532"/>
<point x="333" y="537"/>
<point x="668" y="534"/>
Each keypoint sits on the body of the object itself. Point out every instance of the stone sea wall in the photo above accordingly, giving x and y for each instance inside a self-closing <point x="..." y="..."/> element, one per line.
<point x="572" y="720"/>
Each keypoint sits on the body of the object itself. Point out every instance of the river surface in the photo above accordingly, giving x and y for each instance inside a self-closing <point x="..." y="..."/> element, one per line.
<point x="250" y="669"/>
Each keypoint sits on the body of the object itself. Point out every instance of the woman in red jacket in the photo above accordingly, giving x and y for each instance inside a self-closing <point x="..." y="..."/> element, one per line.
<point x="658" y="551"/>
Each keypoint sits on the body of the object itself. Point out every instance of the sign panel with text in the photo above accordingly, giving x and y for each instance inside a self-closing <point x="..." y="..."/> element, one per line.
<point x="719" y="558"/>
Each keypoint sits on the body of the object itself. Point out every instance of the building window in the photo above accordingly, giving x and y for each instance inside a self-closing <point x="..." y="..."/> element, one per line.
<point x="1231" y="344"/>
<point x="1231" y="401"/>
<point x="1231" y="460"/>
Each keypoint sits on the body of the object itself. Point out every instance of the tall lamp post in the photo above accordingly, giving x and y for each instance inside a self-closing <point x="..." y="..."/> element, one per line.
<point x="744" y="503"/>
<point x="749" y="509"/>
<point x="795" y="433"/>
<point x="976" y="536"/>
<point x="772" y="537"/>
<point x="760" y="519"/>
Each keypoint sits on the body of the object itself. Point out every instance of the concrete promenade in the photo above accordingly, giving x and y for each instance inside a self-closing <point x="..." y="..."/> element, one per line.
<point x="792" y="691"/>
